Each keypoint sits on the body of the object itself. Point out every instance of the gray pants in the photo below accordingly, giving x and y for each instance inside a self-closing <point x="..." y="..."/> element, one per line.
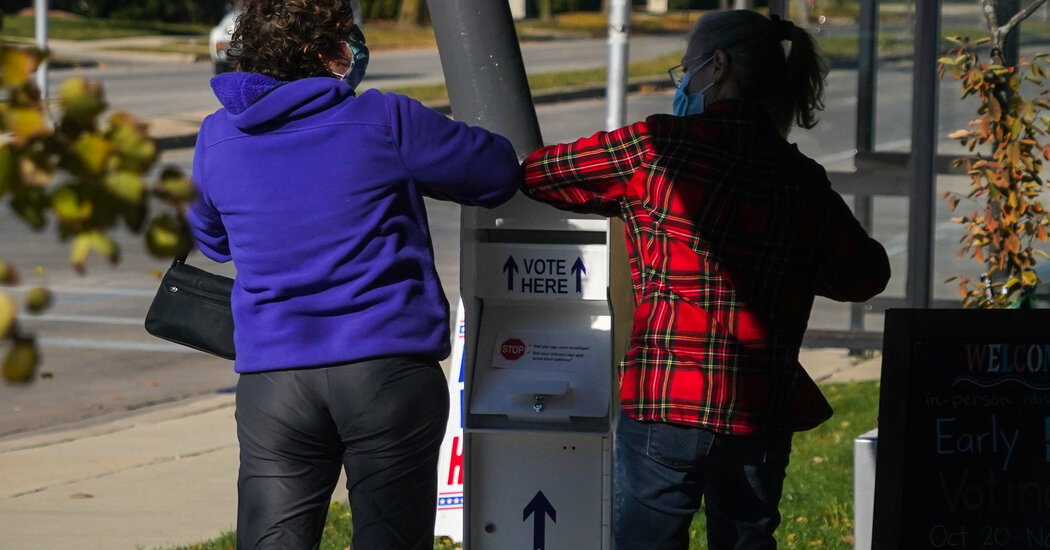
<point x="382" y="420"/>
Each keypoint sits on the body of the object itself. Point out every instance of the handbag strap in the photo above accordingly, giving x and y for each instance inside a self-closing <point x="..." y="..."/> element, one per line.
<point x="180" y="259"/>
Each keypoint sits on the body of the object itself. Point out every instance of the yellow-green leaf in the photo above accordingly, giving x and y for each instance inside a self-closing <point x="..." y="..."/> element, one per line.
<point x="125" y="186"/>
<point x="1013" y="154"/>
<point x="105" y="247"/>
<point x="137" y="150"/>
<point x="166" y="237"/>
<point x="21" y="362"/>
<point x="93" y="153"/>
<point x="995" y="111"/>
<point x="24" y="124"/>
<point x="178" y="187"/>
<point x="16" y="66"/>
<point x="8" y="311"/>
<point x="92" y="241"/>
<point x="79" y="250"/>
<point x="69" y="206"/>
<point x="1015" y="128"/>
<point x="38" y="300"/>
<point x="81" y="100"/>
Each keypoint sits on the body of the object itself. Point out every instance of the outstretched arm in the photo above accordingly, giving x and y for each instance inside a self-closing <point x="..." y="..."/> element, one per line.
<point x="589" y="175"/>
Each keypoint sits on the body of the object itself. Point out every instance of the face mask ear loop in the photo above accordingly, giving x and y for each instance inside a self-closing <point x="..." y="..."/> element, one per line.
<point x="358" y="58"/>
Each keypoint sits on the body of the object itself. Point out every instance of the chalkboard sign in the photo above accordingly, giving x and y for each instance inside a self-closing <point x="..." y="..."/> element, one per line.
<point x="964" y="430"/>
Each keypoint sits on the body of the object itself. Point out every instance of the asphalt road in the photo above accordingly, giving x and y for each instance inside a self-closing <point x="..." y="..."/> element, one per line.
<point x="99" y="361"/>
<point x="147" y="85"/>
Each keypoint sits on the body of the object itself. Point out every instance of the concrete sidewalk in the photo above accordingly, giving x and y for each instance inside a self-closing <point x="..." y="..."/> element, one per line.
<point x="166" y="475"/>
<point x="163" y="477"/>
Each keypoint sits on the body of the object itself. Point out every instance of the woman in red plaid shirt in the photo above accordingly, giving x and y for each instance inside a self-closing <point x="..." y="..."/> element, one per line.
<point x="731" y="232"/>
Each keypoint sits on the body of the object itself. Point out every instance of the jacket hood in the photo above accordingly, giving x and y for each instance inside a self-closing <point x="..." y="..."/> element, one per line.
<point x="255" y="99"/>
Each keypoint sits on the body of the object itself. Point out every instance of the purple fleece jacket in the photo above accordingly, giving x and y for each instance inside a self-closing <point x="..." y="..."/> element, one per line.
<point x="317" y="197"/>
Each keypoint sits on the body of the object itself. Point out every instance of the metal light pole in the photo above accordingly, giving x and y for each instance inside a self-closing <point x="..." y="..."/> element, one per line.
<point x="484" y="71"/>
<point x="922" y="165"/>
<point x="41" y="8"/>
<point x="621" y="294"/>
<point x="616" y="86"/>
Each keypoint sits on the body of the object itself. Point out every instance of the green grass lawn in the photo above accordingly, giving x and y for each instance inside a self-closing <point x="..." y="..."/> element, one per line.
<point x="818" y="495"/>
<point x="83" y="28"/>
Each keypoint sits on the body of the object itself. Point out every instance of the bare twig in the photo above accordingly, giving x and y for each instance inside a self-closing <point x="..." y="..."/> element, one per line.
<point x="999" y="33"/>
<point x="1021" y="16"/>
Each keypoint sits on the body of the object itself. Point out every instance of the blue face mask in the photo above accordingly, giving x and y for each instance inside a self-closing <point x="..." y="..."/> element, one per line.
<point x="358" y="59"/>
<point x="690" y="104"/>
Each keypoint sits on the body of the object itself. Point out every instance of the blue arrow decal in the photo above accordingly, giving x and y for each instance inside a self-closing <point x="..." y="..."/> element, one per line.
<point x="541" y="507"/>
<point x="579" y="270"/>
<point x="510" y="267"/>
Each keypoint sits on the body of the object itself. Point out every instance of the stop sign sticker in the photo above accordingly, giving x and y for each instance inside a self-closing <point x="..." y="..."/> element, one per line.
<point x="512" y="349"/>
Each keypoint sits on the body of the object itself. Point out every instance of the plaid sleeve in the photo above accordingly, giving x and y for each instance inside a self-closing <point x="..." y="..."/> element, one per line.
<point x="590" y="174"/>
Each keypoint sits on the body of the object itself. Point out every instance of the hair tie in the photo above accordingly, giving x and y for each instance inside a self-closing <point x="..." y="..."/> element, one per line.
<point x="782" y="28"/>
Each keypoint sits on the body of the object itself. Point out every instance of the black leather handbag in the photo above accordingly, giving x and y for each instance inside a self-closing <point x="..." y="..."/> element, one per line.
<point x="192" y="308"/>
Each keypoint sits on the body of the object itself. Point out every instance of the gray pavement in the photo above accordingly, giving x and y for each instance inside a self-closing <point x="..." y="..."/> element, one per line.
<point x="165" y="475"/>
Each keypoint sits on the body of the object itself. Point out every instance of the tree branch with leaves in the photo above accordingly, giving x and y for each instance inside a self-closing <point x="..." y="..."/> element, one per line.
<point x="1008" y="145"/>
<point x="82" y="178"/>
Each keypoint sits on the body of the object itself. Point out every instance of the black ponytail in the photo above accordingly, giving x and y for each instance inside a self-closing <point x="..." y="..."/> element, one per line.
<point x="804" y="75"/>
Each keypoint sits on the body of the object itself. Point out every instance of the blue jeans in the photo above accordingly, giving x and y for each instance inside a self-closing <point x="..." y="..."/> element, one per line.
<point x="662" y="471"/>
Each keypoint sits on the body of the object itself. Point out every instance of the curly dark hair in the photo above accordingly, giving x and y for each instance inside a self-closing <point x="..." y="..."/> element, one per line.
<point x="285" y="39"/>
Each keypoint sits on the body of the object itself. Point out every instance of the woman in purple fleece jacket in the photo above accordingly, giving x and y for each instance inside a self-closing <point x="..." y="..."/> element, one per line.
<point x="317" y="196"/>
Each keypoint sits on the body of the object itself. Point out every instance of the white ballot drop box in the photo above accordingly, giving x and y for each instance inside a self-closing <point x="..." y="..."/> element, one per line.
<point x="539" y="378"/>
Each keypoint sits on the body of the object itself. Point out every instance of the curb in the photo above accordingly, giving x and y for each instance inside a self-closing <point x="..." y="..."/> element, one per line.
<point x="116" y="423"/>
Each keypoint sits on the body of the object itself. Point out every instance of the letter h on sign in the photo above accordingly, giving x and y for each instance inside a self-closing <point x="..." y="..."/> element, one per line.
<point x="456" y="464"/>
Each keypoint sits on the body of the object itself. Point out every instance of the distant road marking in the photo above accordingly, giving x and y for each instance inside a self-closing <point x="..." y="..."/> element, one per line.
<point x="112" y="345"/>
<point x="92" y="319"/>
<point x="95" y="290"/>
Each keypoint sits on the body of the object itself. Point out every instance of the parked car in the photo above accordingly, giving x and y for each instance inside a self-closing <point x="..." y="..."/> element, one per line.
<point x="219" y="42"/>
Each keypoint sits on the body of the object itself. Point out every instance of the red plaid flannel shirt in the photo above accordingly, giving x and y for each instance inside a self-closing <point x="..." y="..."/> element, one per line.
<point x="731" y="231"/>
